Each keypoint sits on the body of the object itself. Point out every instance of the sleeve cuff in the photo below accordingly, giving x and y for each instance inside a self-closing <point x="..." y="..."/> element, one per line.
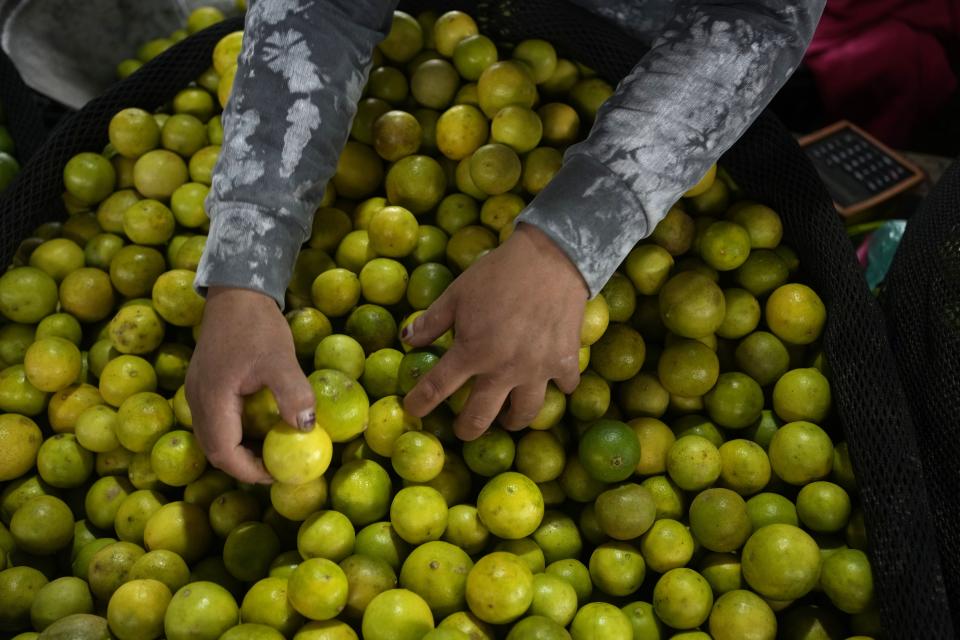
<point x="592" y="216"/>
<point x="249" y="248"/>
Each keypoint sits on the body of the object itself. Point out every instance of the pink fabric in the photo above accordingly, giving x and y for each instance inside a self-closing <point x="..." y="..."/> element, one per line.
<point x="884" y="64"/>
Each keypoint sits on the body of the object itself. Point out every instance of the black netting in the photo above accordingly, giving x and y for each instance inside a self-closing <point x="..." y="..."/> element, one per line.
<point x="768" y="164"/>
<point x="869" y="398"/>
<point x="922" y="303"/>
<point x="23" y="111"/>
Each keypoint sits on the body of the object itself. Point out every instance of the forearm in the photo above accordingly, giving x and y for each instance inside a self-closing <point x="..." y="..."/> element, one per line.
<point x="714" y="69"/>
<point x="300" y="75"/>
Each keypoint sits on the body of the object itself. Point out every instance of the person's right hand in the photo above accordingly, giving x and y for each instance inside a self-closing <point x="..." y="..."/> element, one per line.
<point x="245" y="344"/>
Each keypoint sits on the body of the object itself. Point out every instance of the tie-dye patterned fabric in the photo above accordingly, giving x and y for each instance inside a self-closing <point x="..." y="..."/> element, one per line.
<point x="711" y="69"/>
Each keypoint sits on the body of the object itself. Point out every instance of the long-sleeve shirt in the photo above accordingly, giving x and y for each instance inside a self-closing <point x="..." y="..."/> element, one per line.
<point x="711" y="68"/>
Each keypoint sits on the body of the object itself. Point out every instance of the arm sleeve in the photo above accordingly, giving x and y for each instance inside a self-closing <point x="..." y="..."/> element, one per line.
<point x="706" y="78"/>
<point x="300" y="74"/>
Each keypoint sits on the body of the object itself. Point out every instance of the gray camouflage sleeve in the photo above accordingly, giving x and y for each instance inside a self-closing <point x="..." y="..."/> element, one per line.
<point x="706" y="78"/>
<point x="300" y="75"/>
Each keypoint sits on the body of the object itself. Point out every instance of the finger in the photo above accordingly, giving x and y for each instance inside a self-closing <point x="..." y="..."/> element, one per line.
<point x="482" y="407"/>
<point x="433" y="323"/>
<point x="525" y="403"/>
<point x="448" y="375"/>
<point x="221" y="437"/>
<point x="569" y="376"/>
<point x="295" y="397"/>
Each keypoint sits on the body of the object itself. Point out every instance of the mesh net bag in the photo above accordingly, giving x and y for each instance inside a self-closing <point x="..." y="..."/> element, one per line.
<point x="870" y="403"/>
<point x="922" y="302"/>
<point x="24" y="111"/>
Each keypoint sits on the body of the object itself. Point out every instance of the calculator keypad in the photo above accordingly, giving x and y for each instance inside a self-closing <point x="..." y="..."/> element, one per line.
<point x="853" y="169"/>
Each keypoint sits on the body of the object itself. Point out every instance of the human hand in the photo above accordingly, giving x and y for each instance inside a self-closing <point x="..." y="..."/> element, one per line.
<point x="517" y="313"/>
<point x="245" y="344"/>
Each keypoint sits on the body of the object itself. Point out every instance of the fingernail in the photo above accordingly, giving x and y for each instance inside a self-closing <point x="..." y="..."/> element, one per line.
<point x="306" y="419"/>
<point x="406" y="333"/>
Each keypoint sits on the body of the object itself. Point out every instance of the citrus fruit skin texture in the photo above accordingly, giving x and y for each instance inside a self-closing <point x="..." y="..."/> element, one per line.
<point x="610" y="451"/>
<point x="781" y="562"/>
<point x="691" y="485"/>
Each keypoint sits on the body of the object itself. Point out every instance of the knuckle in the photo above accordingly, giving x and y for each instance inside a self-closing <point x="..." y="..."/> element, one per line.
<point x="218" y="458"/>
<point x="520" y="418"/>
<point x="474" y="421"/>
<point x="432" y="391"/>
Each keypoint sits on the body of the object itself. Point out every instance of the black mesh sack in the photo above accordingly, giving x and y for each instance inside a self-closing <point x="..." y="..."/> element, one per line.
<point x="921" y="298"/>
<point x="870" y="402"/>
<point x="23" y="109"/>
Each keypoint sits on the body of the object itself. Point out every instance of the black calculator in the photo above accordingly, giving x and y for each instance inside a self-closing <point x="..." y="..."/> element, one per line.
<point x="858" y="170"/>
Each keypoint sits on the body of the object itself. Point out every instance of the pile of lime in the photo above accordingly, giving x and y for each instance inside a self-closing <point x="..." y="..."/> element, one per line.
<point x="198" y="20"/>
<point x="692" y="486"/>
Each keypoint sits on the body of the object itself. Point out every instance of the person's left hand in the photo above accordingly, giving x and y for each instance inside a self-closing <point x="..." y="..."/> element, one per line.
<point x="517" y="314"/>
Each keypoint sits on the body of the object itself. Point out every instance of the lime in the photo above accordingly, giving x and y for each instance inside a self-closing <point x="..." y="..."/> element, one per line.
<point x="59" y="599"/>
<point x="801" y="452"/>
<point x="847" y="579"/>
<point x="742" y="615"/>
<point x="763" y="357"/>
<point x="693" y="462"/>
<point x="511" y="506"/>
<point x="383" y="281"/>
<point x="89" y="177"/>
<point x="625" y="512"/>
<point x="781" y="562"/>
<point x="617" y="568"/>
<point x="473" y="54"/>
<point x="691" y="305"/>
<point x="517" y="127"/>
<point x="396" y="134"/>
<point x="404" y="40"/>
<point x="434" y="83"/>
<point x="158" y="173"/>
<point x="688" y="368"/>
<point x="823" y="507"/>
<point x="761" y="222"/>
<point x="802" y="394"/>
<point x="360" y="489"/>
<point x="742" y="314"/>
<point x="397" y="614"/>
<point x="437" y="572"/>
<point x="795" y="314"/>
<point x="461" y="130"/>
<point x="368" y="110"/>
<point x="503" y="84"/>
<point x="762" y="272"/>
<point x="200" y="610"/>
<point x="745" y="467"/>
<point x="42" y="525"/>
<point x="735" y="401"/>
<point x="609" y="451"/>
<point x="719" y="520"/>
<point x="450" y="28"/>
<point x="667" y="545"/>
<point x="600" y="620"/>
<point x="417" y="456"/>
<point x="416" y="182"/>
<point x="465" y="530"/>
<point x="499" y="588"/>
<point x="27" y="295"/>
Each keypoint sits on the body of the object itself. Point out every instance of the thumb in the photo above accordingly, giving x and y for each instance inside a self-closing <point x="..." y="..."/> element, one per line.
<point x="293" y="392"/>
<point x="433" y="323"/>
